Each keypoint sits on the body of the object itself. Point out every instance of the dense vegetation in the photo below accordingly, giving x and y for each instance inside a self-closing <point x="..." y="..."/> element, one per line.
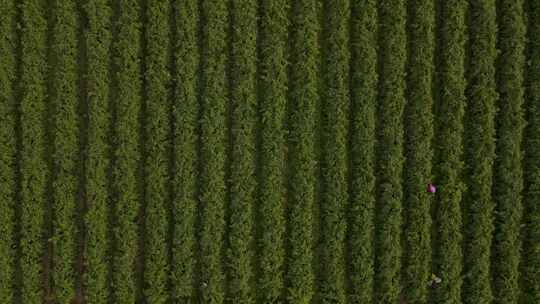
<point x="530" y="265"/>
<point x="334" y="159"/>
<point x="214" y="98"/>
<point x="508" y="172"/>
<point x="126" y="177"/>
<point x="33" y="164"/>
<point x="418" y="118"/>
<point x="157" y="151"/>
<point x="272" y="86"/>
<point x="97" y="40"/>
<point x="240" y="252"/>
<point x="7" y="148"/>
<point x="362" y="156"/>
<point x="185" y="128"/>
<point x="449" y="113"/>
<point x="258" y="151"/>
<point x="478" y="203"/>
<point x="65" y="148"/>
<point x="389" y="150"/>
<point x="301" y="149"/>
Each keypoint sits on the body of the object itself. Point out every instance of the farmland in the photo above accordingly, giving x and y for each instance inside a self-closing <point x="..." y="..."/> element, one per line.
<point x="270" y="151"/>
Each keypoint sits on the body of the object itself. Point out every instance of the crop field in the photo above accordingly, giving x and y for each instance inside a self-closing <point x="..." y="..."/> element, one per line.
<point x="270" y="151"/>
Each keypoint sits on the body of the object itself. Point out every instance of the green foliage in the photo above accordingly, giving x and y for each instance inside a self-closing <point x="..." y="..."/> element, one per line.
<point x="530" y="262"/>
<point x="33" y="167"/>
<point x="156" y="124"/>
<point x="418" y="120"/>
<point x="508" y="173"/>
<point x="65" y="149"/>
<point x="447" y="262"/>
<point x="185" y="112"/>
<point x="126" y="149"/>
<point x="7" y="148"/>
<point x="272" y="74"/>
<point x="334" y="164"/>
<point x="362" y="158"/>
<point x="242" y="176"/>
<point x="303" y="94"/>
<point x="187" y="137"/>
<point x="392" y="54"/>
<point x="480" y="148"/>
<point x="214" y="101"/>
<point x="98" y="44"/>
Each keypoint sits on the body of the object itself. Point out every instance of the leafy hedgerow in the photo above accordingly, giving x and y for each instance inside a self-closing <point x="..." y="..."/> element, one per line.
<point x="480" y="151"/>
<point x="185" y="111"/>
<point x="157" y="126"/>
<point x="65" y="149"/>
<point x="214" y="101"/>
<point x="364" y="103"/>
<point x="243" y="100"/>
<point x="530" y="262"/>
<point x="508" y="172"/>
<point x="418" y="151"/>
<point x="97" y="39"/>
<point x="7" y="148"/>
<point x="334" y="165"/>
<point x="33" y="164"/>
<point x="447" y="256"/>
<point x="392" y="54"/>
<point x="303" y="94"/>
<point x="126" y="149"/>
<point x="272" y="92"/>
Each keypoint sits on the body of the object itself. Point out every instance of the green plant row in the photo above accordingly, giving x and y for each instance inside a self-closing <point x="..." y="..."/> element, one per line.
<point x="213" y="136"/>
<point x="364" y="79"/>
<point x="418" y="128"/>
<point x="185" y="126"/>
<point x="301" y="151"/>
<point x="480" y="149"/>
<point x="97" y="39"/>
<point x="391" y="101"/>
<point x="127" y="101"/>
<point x="272" y="103"/>
<point x="450" y="96"/>
<point x="335" y="116"/>
<point x="240" y="253"/>
<point x="530" y="261"/>
<point x="65" y="148"/>
<point x="508" y="172"/>
<point x="157" y="126"/>
<point x="33" y="166"/>
<point x="7" y="148"/>
<point x="272" y="72"/>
